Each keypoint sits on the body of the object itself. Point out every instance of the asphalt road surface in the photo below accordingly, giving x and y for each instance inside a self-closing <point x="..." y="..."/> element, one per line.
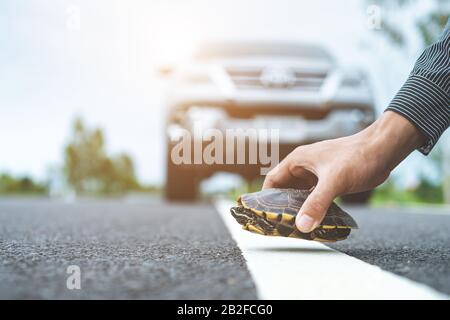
<point x="125" y="250"/>
<point x="147" y="249"/>
<point x="413" y="243"/>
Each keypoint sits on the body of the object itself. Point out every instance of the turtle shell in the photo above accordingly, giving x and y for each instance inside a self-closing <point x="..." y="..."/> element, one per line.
<point x="282" y="205"/>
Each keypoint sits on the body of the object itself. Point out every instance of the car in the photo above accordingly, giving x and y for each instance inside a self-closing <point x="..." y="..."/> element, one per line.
<point x="298" y="89"/>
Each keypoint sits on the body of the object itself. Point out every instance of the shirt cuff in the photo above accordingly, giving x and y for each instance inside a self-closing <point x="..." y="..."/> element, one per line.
<point x="425" y="105"/>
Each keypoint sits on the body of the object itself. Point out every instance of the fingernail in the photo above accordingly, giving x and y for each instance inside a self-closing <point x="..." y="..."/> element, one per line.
<point x="305" y="223"/>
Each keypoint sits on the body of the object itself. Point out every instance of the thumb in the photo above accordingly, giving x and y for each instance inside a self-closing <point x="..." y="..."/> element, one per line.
<point x="315" y="207"/>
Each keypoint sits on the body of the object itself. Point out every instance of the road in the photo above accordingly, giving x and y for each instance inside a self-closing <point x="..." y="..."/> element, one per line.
<point x="147" y="249"/>
<point x="125" y="250"/>
<point x="413" y="243"/>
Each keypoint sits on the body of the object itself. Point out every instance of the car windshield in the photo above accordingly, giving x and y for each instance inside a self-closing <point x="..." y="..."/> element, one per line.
<point x="229" y="50"/>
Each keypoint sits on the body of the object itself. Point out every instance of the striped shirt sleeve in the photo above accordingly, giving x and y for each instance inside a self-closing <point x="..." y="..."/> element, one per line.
<point x="424" y="98"/>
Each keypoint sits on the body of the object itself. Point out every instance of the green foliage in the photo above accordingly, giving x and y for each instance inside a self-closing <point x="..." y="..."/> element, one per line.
<point x="89" y="170"/>
<point x="22" y="185"/>
<point x="430" y="26"/>
<point x="425" y="193"/>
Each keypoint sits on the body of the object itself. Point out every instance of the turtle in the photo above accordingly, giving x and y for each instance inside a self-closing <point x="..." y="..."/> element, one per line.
<point x="272" y="212"/>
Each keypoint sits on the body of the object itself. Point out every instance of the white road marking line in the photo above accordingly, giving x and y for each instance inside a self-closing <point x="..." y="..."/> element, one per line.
<point x="284" y="268"/>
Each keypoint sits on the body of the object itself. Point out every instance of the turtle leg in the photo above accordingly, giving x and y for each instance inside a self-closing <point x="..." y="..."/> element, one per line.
<point x="254" y="229"/>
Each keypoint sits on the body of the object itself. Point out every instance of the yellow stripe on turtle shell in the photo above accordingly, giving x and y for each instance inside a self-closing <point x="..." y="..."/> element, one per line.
<point x="272" y="216"/>
<point x="242" y="202"/>
<point x="258" y="212"/>
<point x="287" y="219"/>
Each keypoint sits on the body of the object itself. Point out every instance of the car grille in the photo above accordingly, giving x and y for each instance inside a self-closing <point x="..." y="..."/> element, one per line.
<point x="251" y="79"/>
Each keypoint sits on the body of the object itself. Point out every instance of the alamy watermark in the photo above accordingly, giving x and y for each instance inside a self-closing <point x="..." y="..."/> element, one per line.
<point x="73" y="18"/>
<point x="232" y="146"/>
<point x="373" y="21"/>
<point x="73" y="281"/>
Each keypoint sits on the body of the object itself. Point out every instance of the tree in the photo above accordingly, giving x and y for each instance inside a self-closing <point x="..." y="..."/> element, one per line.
<point x="427" y="22"/>
<point x="88" y="168"/>
<point x="20" y="185"/>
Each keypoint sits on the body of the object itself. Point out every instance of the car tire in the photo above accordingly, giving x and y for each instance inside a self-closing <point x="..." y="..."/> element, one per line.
<point x="182" y="183"/>
<point x="357" y="198"/>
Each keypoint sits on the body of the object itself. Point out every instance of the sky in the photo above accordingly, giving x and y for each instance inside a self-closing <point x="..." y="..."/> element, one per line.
<point x="98" y="59"/>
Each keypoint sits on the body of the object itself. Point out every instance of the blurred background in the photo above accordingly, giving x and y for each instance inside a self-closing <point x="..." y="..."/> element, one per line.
<point x="85" y="85"/>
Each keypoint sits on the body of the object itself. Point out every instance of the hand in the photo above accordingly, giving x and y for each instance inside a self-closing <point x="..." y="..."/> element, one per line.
<point x="346" y="165"/>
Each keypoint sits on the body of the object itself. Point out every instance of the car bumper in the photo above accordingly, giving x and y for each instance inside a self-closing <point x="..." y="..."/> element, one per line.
<point x="289" y="129"/>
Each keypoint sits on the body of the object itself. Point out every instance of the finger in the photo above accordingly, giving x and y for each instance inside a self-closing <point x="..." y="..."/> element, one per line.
<point x="278" y="176"/>
<point x="289" y="174"/>
<point x="315" y="206"/>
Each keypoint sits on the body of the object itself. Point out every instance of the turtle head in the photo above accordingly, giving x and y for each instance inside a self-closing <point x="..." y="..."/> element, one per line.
<point x="240" y="214"/>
